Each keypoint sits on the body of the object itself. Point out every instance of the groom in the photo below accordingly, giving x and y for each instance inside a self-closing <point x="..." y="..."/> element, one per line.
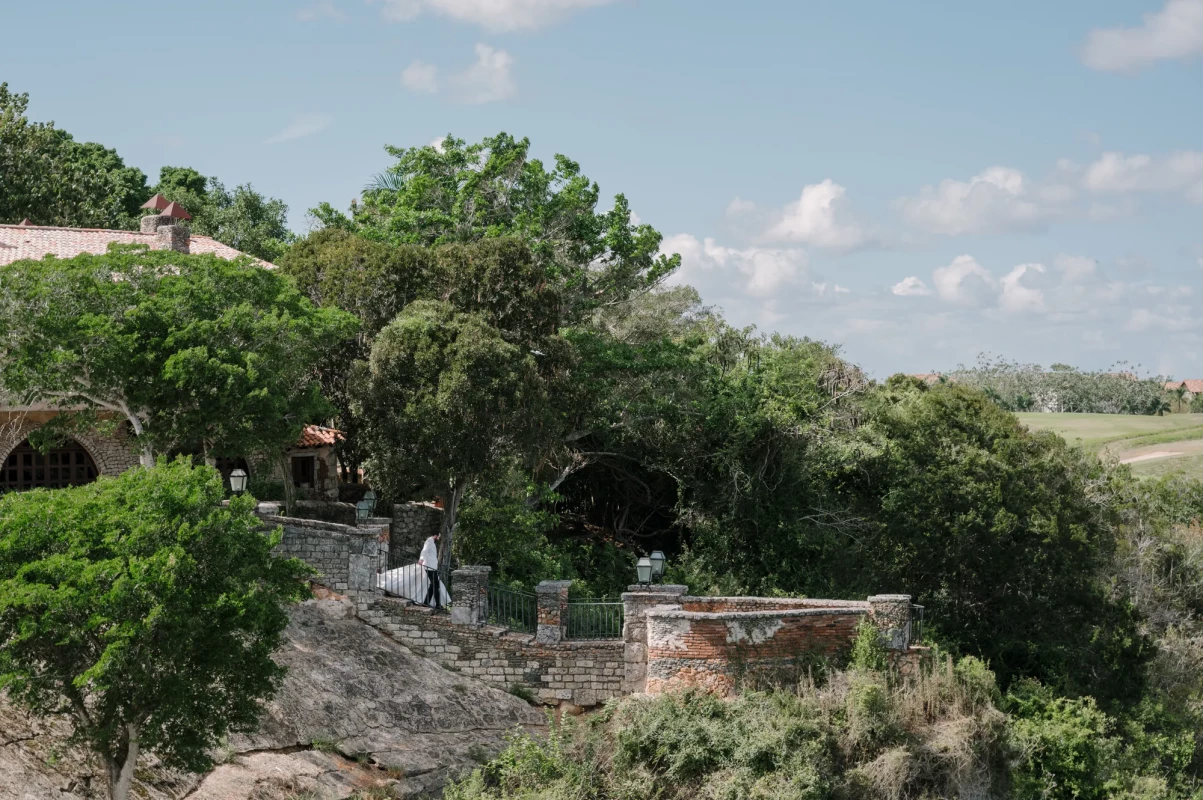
<point x="429" y="559"/>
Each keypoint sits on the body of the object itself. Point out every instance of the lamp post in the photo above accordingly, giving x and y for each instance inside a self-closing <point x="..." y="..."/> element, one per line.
<point x="365" y="507"/>
<point x="658" y="560"/>
<point x="644" y="570"/>
<point x="238" y="481"/>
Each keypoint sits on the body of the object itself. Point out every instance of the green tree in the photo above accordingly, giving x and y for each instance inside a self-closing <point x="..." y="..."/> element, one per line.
<point x="52" y="179"/>
<point x="447" y="403"/>
<point x="244" y="219"/>
<point x="458" y="192"/>
<point x="145" y="611"/>
<point x="194" y="352"/>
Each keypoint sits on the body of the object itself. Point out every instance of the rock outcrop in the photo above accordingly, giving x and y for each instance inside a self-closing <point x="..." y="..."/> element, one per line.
<point x="357" y="711"/>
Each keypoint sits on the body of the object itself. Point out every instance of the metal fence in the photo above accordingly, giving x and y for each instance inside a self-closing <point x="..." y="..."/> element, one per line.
<point x="916" y="622"/>
<point x="513" y="609"/>
<point x="595" y="619"/>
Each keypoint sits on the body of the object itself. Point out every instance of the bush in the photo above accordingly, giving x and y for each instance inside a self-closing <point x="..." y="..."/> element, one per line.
<point x="869" y="648"/>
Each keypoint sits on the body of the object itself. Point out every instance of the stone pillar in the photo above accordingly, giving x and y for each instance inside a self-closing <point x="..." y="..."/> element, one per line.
<point x="552" y="607"/>
<point x="152" y="222"/>
<point x="173" y="237"/>
<point x="891" y="613"/>
<point x="470" y="595"/>
<point x="380" y="526"/>
<point x="635" y="604"/>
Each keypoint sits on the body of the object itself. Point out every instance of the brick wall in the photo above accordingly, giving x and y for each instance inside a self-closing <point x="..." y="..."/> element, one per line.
<point x="581" y="672"/>
<point x="724" y="604"/>
<point x="112" y="454"/>
<point x="718" y="651"/>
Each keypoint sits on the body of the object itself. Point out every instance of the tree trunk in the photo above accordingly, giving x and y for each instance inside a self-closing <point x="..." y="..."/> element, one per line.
<point x="450" y="520"/>
<point x="148" y="454"/>
<point x="290" y="491"/>
<point x="121" y="776"/>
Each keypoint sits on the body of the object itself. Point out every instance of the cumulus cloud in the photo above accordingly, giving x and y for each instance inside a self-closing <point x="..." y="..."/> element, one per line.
<point x="1016" y="297"/>
<point x="1176" y="31"/>
<point x="760" y="272"/>
<point x="301" y="126"/>
<point x="911" y="286"/>
<point x="818" y="218"/>
<point x="495" y="15"/>
<point x="964" y="282"/>
<point x="1118" y="174"/>
<point x="488" y="80"/>
<point x="1076" y="269"/>
<point x="996" y="201"/>
<point x="421" y="77"/>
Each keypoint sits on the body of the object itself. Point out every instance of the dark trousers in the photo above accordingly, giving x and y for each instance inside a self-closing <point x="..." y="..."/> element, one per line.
<point x="432" y="575"/>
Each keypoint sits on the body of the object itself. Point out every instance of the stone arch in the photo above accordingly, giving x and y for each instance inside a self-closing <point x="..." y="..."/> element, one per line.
<point x="112" y="455"/>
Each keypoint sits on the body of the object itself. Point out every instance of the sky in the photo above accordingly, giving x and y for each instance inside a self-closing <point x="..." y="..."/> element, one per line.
<point x="919" y="182"/>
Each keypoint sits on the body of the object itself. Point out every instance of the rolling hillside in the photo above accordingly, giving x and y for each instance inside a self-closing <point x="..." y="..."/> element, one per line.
<point x="1152" y="446"/>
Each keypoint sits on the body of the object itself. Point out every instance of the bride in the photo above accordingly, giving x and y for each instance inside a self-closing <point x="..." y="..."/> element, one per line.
<point x="411" y="583"/>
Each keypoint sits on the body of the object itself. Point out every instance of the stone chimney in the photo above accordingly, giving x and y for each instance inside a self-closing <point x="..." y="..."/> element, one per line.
<point x="170" y="234"/>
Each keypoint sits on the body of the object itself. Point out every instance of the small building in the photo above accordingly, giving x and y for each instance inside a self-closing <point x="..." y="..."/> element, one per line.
<point x="311" y="463"/>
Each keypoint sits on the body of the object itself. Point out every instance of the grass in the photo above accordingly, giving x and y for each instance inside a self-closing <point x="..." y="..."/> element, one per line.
<point x="1122" y="435"/>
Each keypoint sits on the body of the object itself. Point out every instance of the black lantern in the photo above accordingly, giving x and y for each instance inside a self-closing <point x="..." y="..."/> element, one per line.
<point x="238" y="481"/>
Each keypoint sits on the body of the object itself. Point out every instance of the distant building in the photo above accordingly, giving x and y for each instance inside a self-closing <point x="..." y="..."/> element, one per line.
<point x="81" y="460"/>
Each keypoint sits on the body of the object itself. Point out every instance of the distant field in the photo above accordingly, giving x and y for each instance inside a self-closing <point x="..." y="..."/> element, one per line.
<point x="1160" y="445"/>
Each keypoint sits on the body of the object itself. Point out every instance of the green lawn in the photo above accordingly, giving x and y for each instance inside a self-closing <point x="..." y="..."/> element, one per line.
<point x="1124" y="435"/>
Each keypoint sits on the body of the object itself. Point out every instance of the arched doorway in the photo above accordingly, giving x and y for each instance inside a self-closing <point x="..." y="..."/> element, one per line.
<point x="69" y="464"/>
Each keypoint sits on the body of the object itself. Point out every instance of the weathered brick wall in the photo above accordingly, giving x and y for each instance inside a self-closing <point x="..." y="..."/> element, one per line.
<point x="581" y="672"/>
<point x="717" y="651"/>
<point x="347" y="558"/>
<point x="715" y="605"/>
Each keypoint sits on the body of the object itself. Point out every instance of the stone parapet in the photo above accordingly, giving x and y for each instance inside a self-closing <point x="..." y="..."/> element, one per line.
<point x="551" y="606"/>
<point x="470" y="595"/>
<point x="891" y="613"/>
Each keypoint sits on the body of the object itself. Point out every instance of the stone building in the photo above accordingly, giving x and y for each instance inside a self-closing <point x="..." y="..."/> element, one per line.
<point x="82" y="459"/>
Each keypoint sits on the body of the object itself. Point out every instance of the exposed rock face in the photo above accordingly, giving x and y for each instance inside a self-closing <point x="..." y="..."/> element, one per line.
<point x="356" y="711"/>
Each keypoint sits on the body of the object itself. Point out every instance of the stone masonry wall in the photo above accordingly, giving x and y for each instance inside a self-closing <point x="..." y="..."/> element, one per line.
<point x="580" y="672"/>
<point x="413" y="524"/>
<point x="347" y="558"/>
<point x="112" y="454"/>
<point x="716" y="605"/>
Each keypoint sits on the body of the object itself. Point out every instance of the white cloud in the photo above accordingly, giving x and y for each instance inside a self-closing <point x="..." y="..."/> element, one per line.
<point x="1076" y="269"/>
<point x="817" y="218"/>
<point x="486" y="81"/>
<point x="301" y="126"/>
<point x="911" y="286"/>
<point x="495" y="15"/>
<point x="1016" y="297"/>
<point x="1119" y="174"/>
<point x="1176" y="31"/>
<point x="995" y="201"/>
<point x="761" y="272"/>
<point x="421" y="77"/>
<point x="738" y="207"/>
<point x="964" y="282"/>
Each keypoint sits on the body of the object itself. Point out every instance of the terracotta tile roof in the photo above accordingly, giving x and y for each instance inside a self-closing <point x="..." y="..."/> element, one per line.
<point x="19" y="242"/>
<point x="927" y="377"/>
<point x="317" y="436"/>
<point x="1193" y="385"/>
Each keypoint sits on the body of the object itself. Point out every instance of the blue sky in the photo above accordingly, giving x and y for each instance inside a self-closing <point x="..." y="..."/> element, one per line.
<point x="918" y="181"/>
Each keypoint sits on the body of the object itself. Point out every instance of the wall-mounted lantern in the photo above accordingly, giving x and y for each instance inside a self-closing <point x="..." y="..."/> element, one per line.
<point x="238" y="480"/>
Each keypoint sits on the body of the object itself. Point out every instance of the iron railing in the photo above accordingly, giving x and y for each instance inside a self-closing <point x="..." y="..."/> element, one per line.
<point x="595" y="619"/>
<point x="916" y="623"/>
<point x="513" y="609"/>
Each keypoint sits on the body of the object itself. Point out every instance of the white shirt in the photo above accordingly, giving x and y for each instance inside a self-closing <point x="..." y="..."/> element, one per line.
<point x="430" y="554"/>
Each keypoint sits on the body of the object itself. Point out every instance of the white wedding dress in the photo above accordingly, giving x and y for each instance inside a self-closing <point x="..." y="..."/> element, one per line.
<point x="411" y="583"/>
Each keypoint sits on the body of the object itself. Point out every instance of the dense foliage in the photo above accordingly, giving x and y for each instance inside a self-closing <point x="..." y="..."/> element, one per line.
<point x="1062" y="388"/>
<point x="50" y="178"/>
<point x="195" y="353"/>
<point x="857" y="735"/>
<point x="145" y="611"/>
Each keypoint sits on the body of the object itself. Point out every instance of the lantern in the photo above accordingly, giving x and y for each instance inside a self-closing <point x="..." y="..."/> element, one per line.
<point x="238" y="481"/>
<point x="658" y="561"/>
<point x="644" y="569"/>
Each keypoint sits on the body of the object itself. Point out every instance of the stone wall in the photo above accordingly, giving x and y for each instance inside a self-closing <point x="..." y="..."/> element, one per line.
<point x="413" y="524"/>
<point x="583" y="673"/>
<point x="113" y="454"/>
<point x="347" y="558"/>
<point x="716" y="605"/>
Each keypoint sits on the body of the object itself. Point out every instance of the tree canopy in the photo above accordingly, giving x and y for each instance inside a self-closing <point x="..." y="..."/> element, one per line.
<point x="195" y="352"/>
<point x="145" y="611"/>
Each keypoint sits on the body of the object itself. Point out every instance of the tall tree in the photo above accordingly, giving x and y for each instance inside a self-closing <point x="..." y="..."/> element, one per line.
<point x="52" y="179"/>
<point x="456" y="192"/>
<point x="244" y="219"/>
<point x="193" y="351"/>
<point x="143" y="610"/>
